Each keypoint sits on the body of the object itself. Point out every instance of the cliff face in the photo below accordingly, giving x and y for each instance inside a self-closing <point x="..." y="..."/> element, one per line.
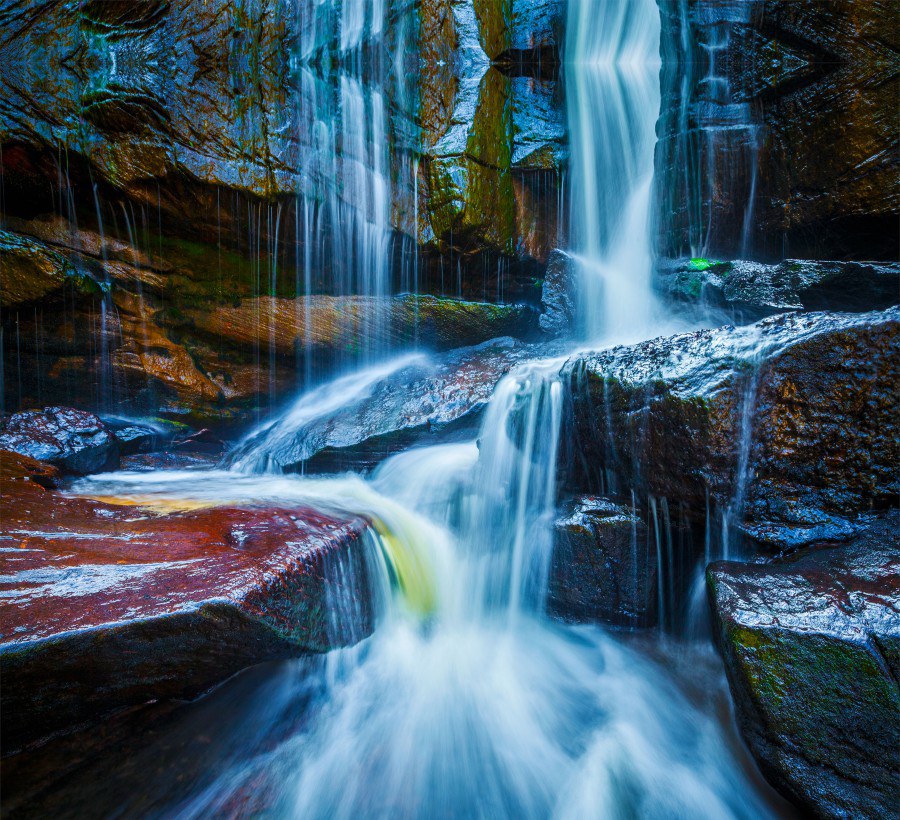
<point x="780" y="135"/>
<point x="163" y="161"/>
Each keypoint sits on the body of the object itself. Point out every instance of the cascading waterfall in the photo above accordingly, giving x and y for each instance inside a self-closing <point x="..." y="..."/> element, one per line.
<point x="467" y="701"/>
<point x="613" y="94"/>
<point x="345" y="188"/>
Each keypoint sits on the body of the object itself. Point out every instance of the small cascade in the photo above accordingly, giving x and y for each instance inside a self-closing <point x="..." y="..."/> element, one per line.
<point x="291" y="437"/>
<point x="466" y="700"/>
<point x="510" y="508"/>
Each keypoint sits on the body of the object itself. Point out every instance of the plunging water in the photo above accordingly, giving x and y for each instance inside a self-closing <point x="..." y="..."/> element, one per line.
<point x="613" y="66"/>
<point x="467" y="701"/>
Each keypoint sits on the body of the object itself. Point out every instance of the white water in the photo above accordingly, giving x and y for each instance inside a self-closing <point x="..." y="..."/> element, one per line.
<point x="467" y="701"/>
<point x="612" y="74"/>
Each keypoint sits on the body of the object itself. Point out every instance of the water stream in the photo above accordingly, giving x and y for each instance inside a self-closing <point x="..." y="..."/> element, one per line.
<point x="467" y="700"/>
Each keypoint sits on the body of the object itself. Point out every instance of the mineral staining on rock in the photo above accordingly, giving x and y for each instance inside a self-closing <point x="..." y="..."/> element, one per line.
<point x="107" y="605"/>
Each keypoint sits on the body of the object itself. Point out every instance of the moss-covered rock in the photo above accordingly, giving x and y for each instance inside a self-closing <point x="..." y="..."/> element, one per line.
<point x="810" y="650"/>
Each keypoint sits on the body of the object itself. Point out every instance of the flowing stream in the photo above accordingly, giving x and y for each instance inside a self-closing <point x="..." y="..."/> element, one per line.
<point x="467" y="700"/>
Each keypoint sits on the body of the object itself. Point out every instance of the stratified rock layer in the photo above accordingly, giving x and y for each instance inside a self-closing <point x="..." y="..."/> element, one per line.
<point x="812" y="651"/>
<point x="109" y="606"/>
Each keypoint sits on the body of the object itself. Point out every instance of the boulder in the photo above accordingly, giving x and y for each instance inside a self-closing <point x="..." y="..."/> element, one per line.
<point x="559" y="295"/>
<point x="362" y="418"/>
<point x="812" y="651"/>
<point x="793" y="284"/>
<point x="73" y="440"/>
<point x="604" y="567"/>
<point x="789" y="425"/>
<point x="107" y="606"/>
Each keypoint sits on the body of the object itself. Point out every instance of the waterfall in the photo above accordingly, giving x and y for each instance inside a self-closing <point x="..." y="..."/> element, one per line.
<point x="467" y="701"/>
<point x="612" y="73"/>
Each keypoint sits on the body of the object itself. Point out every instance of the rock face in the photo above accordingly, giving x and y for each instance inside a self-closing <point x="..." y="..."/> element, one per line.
<point x="362" y="418"/>
<point x="333" y="324"/>
<point x="794" y="284"/>
<point x="73" y="440"/>
<point x="812" y="651"/>
<point x="28" y="270"/>
<point x="558" y="295"/>
<point x="107" y="606"/>
<point x="604" y="567"/>
<point x="789" y="106"/>
<point x="150" y="340"/>
<point x="790" y="423"/>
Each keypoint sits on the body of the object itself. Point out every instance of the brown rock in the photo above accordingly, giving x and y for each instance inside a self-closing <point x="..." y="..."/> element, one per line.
<point x="107" y="605"/>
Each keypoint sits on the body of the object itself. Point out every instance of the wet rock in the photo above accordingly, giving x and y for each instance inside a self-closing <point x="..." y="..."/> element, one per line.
<point x="558" y="295"/>
<point x="173" y="460"/>
<point x="333" y="324"/>
<point x="604" y="567"/>
<point x="788" y="105"/>
<point x="361" y="419"/>
<point x="789" y="424"/>
<point x="812" y="651"/>
<point x="28" y="270"/>
<point x="16" y="467"/>
<point x="789" y="285"/>
<point x="140" y="436"/>
<point x="73" y="440"/>
<point x="108" y="605"/>
<point x="537" y="27"/>
<point x="489" y="168"/>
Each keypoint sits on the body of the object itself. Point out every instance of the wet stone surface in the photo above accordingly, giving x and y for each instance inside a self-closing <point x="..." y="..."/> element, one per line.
<point x="109" y="605"/>
<point x="790" y="422"/>
<point x="604" y="567"/>
<point x="74" y="440"/>
<point x="812" y="651"/>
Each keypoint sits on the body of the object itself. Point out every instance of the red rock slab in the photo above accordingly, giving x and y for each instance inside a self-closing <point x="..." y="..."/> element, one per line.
<point x="106" y="606"/>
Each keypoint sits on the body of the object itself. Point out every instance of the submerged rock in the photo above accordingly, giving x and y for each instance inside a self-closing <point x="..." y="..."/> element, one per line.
<point x="362" y="418"/>
<point x="73" y="440"/>
<point x="790" y="423"/>
<point x="108" y="606"/>
<point x="559" y="295"/>
<point x="812" y="652"/>
<point x="790" y="285"/>
<point x="604" y="567"/>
